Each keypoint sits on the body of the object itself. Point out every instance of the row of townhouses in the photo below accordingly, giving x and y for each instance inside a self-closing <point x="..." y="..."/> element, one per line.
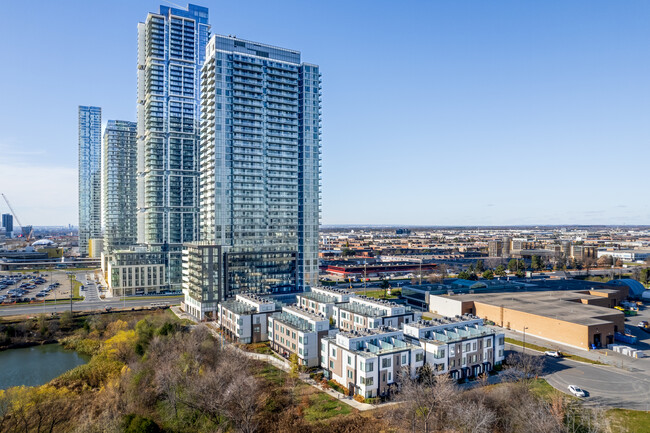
<point x="360" y="342"/>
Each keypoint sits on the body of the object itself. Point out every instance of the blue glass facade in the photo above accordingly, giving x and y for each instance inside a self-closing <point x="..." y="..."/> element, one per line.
<point x="171" y="50"/>
<point x="90" y="129"/>
<point x="120" y="185"/>
<point x="260" y="163"/>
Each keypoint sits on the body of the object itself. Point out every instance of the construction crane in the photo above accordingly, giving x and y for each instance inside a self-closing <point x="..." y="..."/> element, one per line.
<point x="27" y="231"/>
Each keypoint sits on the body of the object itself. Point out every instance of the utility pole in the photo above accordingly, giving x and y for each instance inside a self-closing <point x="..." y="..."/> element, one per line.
<point x="71" y="276"/>
<point x="525" y="327"/>
<point x="365" y="277"/>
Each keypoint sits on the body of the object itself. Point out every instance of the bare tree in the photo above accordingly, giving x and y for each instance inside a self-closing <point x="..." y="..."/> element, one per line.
<point x="473" y="417"/>
<point x="428" y="402"/>
<point x="524" y="366"/>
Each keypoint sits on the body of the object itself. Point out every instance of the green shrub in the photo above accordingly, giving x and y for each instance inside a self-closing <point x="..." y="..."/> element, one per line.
<point x="138" y="424"/>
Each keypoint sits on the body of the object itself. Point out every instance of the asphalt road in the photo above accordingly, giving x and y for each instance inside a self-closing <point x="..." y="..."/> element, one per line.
<point x="29" y="309"/>
<point x="91" y="292"/>
<point x="606" y="385"/>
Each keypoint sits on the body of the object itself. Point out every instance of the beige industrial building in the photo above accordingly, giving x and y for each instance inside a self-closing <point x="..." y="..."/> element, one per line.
<point x="581" y="319"/>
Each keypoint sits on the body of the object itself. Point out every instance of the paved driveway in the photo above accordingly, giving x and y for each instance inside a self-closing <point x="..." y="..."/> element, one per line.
<point x="607" y="385"/>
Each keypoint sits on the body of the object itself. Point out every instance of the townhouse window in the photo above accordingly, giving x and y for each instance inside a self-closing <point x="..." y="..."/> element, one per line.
<point x="389" y="376"/>
<point x="288" y="332"/>
<point x="300" y="340"/>
<point x="385" y="363"/>
<point x="419" y="357"/>
<point x="293" y="346"/>
<point x="467" y="347"/>
<point x="350" y="375"/>
<point x="453" y="362"/>
<point x="293" y="335"/>
<point x="473" y="358"/>
<point x="299" y="351"/>
<point x="369" y="381"/>
<point x="404" y="359"/>
<point x="322" y="361"/>
<point x="501" y="341"/>
<point x="488" y="342"/>
<point x="306" y="339"/>
<point x="500" y="352"/>
<point x="331" y="365"/>
<point x="258" y="320"/>
<point x="306" y="352"/>
<point x="474" y="345"/>
<point x="370" y="366"/>
<point x="464" y="361"/>
<point x="349" y="360"/>
<point x="333" y="352"/>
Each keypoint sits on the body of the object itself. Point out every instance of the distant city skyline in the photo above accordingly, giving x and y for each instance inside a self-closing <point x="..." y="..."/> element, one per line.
<point x="477" y="114"/>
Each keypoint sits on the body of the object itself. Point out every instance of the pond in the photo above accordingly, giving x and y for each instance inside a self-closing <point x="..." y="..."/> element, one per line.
<point x="36" y="365"/>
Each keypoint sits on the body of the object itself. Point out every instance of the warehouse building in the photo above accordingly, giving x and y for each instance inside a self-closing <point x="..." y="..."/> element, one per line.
<point x="583" y="319"/>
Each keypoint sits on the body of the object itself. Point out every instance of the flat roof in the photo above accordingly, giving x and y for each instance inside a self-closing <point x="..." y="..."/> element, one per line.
<point x="560" y="305"/>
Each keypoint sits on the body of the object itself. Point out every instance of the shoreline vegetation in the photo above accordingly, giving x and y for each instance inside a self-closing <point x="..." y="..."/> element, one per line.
<point x="152" y="372"/>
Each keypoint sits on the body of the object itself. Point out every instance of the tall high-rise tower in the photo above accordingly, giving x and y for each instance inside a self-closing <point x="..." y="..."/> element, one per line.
<point x="8" y="223"/>
<point x="120" y="185"/>
<point x="171" y="50"/>
<point x="90" y="130"/>
<point x="260" y="167"/>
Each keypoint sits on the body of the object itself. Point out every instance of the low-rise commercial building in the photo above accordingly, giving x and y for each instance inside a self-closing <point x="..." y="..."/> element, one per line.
<point x="298" y="331"/>
<point x="135" y="272"/>
<point x="245" y="318"/>
<point x="369" y="362"/>
<point x="625" y="255"/>
<point x="362" y="312"/>
<point x="582" y="319"/>
<point x="462" y="347"/>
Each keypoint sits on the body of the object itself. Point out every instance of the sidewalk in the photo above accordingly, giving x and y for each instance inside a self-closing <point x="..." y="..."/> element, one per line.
<point x="182" y="315"/>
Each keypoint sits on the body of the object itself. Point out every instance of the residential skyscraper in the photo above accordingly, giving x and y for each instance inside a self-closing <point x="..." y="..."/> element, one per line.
<point x="8" y="223"/>
<point x="90" y="130"/>
<point x="260" y="169"/>
<point x="171" y="50"/>
<point x="120" y="185"/>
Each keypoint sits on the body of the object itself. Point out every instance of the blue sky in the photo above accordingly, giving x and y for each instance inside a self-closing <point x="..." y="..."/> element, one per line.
<point x="434" y="112"/>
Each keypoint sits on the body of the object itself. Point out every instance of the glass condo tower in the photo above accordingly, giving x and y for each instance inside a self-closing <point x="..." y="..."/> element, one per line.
<point x="171" y="50"/>
<point x="260" y="167"/>
<point x="90" y="130"/>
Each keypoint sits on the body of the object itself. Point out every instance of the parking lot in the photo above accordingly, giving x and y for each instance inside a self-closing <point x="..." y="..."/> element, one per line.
<point x="31" y="287"/>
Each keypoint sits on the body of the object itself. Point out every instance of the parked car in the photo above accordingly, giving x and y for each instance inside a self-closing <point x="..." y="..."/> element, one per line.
<point x="575" y="390"/>
<point x="643" y="324"/>
<point x="553" y="353"/>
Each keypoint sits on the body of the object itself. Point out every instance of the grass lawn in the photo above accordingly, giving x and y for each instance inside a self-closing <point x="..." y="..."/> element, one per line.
<point x="633" y="421"/>
<point x="544" y="349"/>
<point x="322" y="407"/>
<point x="317" y="405"/>
<point x="379" y="294"/>
<point x="75" y="288"/>
<point x="541" y="388"/>
<point x="262" y="348"/>
<point x="270" y="373"/>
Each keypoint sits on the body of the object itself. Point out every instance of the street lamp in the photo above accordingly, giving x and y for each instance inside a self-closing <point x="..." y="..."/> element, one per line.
<point x="525" y="327"/>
